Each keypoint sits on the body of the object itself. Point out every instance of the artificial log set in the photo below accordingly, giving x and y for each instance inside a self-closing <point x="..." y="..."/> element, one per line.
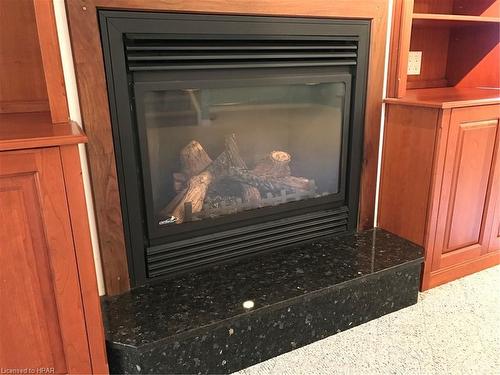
<point x="209" y="187"/>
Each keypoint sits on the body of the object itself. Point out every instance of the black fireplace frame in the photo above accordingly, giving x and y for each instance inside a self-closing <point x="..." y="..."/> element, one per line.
<point x="141" y="241"/>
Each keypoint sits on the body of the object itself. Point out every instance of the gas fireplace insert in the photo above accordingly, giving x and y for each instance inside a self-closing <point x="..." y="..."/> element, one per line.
<point x="233" y="134"/>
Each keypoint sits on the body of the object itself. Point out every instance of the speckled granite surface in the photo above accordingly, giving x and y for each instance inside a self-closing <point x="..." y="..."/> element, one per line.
<point x="196" y="323"/>
<point x="453" y="329"/>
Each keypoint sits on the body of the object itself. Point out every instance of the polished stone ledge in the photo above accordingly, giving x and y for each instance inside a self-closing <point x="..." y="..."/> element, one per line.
<point x="197" y="322"/>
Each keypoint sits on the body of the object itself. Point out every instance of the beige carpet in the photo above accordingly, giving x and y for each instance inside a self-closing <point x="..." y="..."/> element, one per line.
<point x="453" y="329"/>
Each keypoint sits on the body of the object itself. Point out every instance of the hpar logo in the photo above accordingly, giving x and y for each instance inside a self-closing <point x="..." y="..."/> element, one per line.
<point x="28" y="370"/>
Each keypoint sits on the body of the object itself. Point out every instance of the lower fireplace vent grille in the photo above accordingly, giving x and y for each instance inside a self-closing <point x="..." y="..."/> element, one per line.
<point x="191" y="253"/>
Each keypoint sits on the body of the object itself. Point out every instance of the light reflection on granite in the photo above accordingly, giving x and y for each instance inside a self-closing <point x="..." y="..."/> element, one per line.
<point x="355" y="277"/>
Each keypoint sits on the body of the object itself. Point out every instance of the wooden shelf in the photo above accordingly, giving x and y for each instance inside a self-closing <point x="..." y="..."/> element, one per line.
<point x="35" y="129"/>
<point x="448" y="97"/>
<point x="459" y="41"/>
<point x="452" y="18"/>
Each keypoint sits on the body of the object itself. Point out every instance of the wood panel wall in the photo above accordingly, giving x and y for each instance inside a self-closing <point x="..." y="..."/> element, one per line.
<point x="434" y="56"/>
<point x="487" y="8"/>
<point x="89" y="66"/>
<point x="474" y="57"/>
<point x="434" y="6"/>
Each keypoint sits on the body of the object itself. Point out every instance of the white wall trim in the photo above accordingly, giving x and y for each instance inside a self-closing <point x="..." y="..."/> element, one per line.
<point x="75" y="115"/>
<point x="382" y="117"/>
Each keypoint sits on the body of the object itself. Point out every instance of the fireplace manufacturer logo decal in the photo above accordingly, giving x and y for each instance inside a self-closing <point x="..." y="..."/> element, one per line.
<point x="168" y="220"/>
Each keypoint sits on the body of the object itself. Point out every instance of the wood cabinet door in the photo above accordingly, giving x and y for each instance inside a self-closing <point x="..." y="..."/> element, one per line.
<point x="493" y="221"/>
<point x="495" y="228"/>
<point x="469" y="186"/>
<point x="42" y="326"/>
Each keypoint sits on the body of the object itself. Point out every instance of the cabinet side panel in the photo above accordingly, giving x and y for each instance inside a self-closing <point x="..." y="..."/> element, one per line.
<point x="83" y="248"/>
<point x="409" y="143"/>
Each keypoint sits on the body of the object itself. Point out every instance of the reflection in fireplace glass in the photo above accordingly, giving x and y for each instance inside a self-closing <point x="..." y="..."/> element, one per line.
<point x="220" y="151"/>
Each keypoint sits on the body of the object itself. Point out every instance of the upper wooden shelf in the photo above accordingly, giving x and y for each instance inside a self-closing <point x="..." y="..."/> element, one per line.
<point x="448" y="97"/>
<point x="452" y="19"/>
<point x="33" y="130"/>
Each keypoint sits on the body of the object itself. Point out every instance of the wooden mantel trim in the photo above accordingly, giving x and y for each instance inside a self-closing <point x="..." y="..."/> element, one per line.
<point x="84" y="31"/>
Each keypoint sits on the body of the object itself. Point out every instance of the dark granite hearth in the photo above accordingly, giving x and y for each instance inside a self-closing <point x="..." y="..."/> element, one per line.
<point x="196" y="323"/>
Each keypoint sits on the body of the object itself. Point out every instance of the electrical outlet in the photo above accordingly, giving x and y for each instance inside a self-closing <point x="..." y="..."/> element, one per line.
<point x="414" y="63"/>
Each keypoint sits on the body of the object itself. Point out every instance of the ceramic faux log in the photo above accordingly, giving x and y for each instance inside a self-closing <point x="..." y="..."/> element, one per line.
<point x="199" y="171"/>
<point x="275" y="164"/>
<point x="194" y="159"/>
<point x="249" y="193"/>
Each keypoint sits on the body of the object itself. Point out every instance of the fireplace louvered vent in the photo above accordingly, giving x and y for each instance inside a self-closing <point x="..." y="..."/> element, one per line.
<point x="180" y="255"/>
<point x="172" y="54"/>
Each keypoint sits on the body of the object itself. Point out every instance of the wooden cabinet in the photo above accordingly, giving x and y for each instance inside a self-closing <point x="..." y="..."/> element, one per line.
<point x="440" y="172"/>
<point x="50" y="317"/>
<point x="440" y="184"/>
<point x="39" y="281"/>
<point x="469" y="190"/>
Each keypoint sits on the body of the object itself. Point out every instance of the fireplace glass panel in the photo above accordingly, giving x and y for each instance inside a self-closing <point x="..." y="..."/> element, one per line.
<point x="213" y="152"/>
